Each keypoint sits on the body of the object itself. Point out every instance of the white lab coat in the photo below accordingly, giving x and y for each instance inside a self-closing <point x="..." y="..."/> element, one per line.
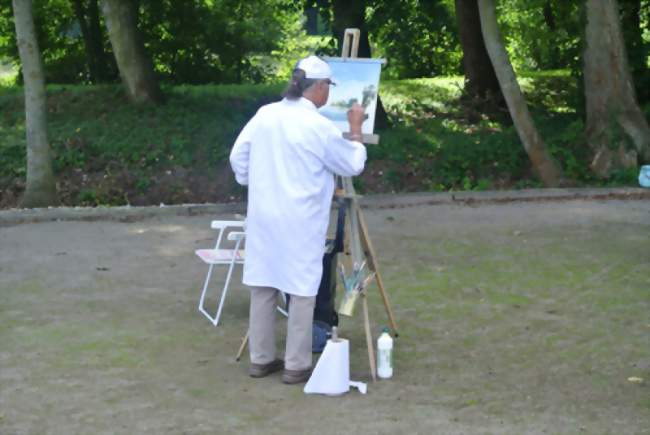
<point x="288" y="154"/>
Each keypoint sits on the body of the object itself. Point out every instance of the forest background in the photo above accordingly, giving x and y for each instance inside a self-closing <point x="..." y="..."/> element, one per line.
<point x="144" y="98"/>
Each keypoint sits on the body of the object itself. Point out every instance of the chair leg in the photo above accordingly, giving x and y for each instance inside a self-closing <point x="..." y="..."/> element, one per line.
<point x="224" y="292"/>
<point x="205" y="289"/>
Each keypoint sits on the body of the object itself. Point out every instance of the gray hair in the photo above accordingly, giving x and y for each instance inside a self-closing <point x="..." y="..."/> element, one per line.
<point x="297" y="85"/>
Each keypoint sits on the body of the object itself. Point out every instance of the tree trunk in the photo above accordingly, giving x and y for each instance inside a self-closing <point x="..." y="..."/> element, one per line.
<point x="87" y="12"/>
<point x="616" y="130"/>
<point x="352" y="14"/>
<point x="636" y="47"/>
<point x="549" y="16"/>
<point x="551" y="23"/>
<point x="40" y="188"/>
<point x="480" y="78"/>
<point x="546" y="168"/>
<point x="135" y="66"/>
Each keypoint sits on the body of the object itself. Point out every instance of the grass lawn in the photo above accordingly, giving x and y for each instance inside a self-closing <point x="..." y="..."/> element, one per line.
<point x="513" y="319"/>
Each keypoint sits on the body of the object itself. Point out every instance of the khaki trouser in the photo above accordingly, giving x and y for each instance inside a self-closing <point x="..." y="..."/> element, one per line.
<point x="297" y="355"/>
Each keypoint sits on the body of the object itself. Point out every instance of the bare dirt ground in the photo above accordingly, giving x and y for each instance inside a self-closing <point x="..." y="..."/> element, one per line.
<point x="520" y="318"/>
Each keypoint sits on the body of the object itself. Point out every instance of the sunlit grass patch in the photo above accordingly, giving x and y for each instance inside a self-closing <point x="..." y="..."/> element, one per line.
<point x="8" y="74"/>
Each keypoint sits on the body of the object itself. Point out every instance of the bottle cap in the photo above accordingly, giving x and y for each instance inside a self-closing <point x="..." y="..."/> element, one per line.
<point x="386" y="330"/>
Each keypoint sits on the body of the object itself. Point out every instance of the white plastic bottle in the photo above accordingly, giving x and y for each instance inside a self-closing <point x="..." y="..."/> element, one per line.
<point x="385" y="355"/>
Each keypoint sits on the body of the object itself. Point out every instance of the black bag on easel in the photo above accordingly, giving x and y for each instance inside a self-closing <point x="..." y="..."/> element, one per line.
<point x="325" y="315"/>
<point x="324" y="310"/>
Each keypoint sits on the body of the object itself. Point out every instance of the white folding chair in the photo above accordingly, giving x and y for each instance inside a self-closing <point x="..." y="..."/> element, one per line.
<point x="230" y="257"/>
<point x="221" y="256"/>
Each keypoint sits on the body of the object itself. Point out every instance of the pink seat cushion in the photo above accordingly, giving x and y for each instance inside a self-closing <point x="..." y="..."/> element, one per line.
<point x="213" y="256"/>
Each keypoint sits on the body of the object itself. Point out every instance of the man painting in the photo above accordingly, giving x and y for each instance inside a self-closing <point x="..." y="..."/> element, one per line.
<point x="287" y="155"/>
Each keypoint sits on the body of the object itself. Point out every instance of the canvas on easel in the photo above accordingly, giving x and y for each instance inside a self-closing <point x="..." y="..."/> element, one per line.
<point x="357" y="81"/>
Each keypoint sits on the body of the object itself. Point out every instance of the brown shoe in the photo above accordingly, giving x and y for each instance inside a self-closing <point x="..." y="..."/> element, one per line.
<point x="261" y="370"/>
<point x="295" y="376"/>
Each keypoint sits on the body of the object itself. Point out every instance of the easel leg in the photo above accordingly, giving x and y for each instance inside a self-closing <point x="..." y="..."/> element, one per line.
<point x="373" y="266"/>
<point x="244" y="342"/>
<point x="371" y="350"/>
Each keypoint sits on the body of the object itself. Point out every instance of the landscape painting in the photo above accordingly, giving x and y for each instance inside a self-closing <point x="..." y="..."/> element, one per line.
<point x="357" y="81"/>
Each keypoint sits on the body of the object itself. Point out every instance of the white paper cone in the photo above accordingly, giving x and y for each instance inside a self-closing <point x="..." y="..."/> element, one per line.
<point x="332" y="372"/>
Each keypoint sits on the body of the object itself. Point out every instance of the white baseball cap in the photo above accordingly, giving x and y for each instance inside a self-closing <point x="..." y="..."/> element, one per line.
<point x="315" y="68"/>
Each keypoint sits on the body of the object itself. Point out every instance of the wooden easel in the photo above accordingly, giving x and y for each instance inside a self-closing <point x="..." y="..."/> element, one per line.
<point x="358" y="234"/>
<point x="360" y="245"/>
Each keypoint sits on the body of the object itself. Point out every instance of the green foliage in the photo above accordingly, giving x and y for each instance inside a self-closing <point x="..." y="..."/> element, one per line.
<point x="12" y="134"/>
<point x="541" y="34"/>
<point x="96" y="133"/>
<point x="108" y="151"/>
<point x="435" y="148"/>
<point x="419" y="37"/>
<point x="442" y="155"/>
<point x="635" y="18"/>
<point x="88" y="197"/>
<point x="219" y="41"/>
<point x="197" y="41"/>
<point x="284" y="58"/>
<point x="555" y="90"/>
<point x="232" y="41"/>
<point x="623" y="177"/>
<point x="566" y="141"/>
<point x="59" y="39"/>
<point x="8" y="73"/>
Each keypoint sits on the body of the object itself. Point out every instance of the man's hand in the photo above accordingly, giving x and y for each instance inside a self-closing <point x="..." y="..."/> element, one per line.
<point x="355" y="118"/>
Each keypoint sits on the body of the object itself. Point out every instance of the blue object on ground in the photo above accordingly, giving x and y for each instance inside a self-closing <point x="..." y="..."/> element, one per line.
<point x="321" y="332"/>
<point x="644" y="176"/>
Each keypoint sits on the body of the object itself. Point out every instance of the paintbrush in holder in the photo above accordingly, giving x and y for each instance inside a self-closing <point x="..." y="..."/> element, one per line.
<point x="354" y="285"/>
